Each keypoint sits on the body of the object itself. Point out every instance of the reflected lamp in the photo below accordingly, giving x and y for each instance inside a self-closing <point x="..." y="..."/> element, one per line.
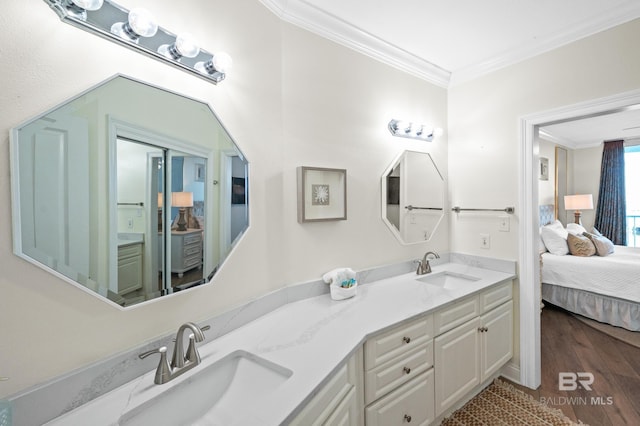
<point x="182" y="200"/>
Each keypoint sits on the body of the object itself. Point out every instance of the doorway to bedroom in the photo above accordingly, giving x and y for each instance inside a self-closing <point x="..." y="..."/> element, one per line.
<point x="530" y="288"/>
<point x="537" y="331"/>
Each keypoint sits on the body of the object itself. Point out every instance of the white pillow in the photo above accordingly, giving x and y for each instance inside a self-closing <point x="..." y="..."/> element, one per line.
<point x="576" y="228"/>
<point x="555" y="239"/>
<point x="541" y="247"/>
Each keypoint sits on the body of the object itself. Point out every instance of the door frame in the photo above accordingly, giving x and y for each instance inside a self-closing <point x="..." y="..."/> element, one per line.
<point x="530" y="292"/>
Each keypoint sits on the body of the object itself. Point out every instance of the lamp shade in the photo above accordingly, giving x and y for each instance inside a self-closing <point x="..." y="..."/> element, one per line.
<point x="182" y="199"/>
<point x="578" y="202"/>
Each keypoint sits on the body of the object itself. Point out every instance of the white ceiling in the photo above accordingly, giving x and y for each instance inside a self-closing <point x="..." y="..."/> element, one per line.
<point x="450" y="41"/>
<point x="592" y="131"/>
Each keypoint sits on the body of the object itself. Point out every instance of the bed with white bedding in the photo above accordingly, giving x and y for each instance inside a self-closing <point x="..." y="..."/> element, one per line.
<point x="604" y="288"/>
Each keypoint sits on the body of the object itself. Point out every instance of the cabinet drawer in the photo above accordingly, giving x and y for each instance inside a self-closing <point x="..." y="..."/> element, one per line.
<point x="496" y="296"/>
<point x="456" y="314"/>
<point x="128" y="251"/>
<point x="386" y="377"/>
<point x="395" y="342"/>
<point x="193" y="238"/>
<point x="191" y="261"/>
<point x="411" y="402"/>
<point x="191" y="250"/>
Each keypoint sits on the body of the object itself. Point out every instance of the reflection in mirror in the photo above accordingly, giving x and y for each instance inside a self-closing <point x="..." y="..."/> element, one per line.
<point x="413" y="197"/>
<point x="129" y="191"/>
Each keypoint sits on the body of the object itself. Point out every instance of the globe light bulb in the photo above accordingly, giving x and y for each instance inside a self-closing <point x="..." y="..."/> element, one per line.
<point x="222" y="62"/>
<point x="187" y="45"/>
<point x="88" y="4"/>
<point x="142" y="22"/>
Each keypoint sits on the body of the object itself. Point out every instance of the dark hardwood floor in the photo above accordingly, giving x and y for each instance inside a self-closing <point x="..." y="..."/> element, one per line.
<point x="571" y="346"/>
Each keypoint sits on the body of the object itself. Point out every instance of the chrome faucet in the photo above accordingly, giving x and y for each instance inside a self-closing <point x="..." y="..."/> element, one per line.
<point x="180" y="362"/>
<point x="423" y="265"/>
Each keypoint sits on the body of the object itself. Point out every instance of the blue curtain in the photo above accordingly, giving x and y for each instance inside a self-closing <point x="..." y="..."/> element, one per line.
<point x="611" y="212"/>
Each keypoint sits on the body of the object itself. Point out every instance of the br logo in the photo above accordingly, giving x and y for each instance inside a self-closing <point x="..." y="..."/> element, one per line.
<point x="568" y="381"/>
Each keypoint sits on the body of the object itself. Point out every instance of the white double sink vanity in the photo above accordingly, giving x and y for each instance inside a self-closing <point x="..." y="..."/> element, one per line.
<point x="406" y="350"/>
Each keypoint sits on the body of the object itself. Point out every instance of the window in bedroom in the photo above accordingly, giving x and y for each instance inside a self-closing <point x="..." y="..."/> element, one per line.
<point x="632" y="188"/>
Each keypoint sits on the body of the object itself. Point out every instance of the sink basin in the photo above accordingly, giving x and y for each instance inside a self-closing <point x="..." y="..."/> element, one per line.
<point x="448" y="280"/>
<point x="215" y="395"/>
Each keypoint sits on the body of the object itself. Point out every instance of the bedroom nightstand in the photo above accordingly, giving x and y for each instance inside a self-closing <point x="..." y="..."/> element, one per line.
<point x="186" y="250"/>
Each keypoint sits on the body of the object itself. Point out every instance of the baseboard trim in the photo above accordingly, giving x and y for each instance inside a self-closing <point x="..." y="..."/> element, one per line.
<point x="511" y="371"/>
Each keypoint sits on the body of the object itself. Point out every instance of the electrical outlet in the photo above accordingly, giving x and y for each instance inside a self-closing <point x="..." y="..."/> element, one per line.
<point x="412" y="218"/>
<point x="130" y="223"/>
<point x="503" y="223"/>
<point x="426" y="234"/>
<point x="485" y="241"/>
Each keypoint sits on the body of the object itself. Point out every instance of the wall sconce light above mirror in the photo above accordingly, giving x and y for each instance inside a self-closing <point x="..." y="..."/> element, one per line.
<point x="406" y="129"/>
<point x="137" y="29"/>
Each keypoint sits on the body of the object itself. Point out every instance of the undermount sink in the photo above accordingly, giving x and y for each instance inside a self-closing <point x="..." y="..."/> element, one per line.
<point x="214" y="395"/>
<point x="448" y="279"/>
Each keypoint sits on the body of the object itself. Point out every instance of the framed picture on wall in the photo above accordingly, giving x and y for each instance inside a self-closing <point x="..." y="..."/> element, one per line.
<point x="393" y="190"/>
<point x="322" y="194"/>
<point x="199" y="172"/>
<point x="544" y="169"/>
<point x="238" y="191"/>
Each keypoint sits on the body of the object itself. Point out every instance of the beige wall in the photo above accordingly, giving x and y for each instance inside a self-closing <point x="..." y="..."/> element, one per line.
<point x="484" y="133"/>
<point x="586" y="178"/>
<point x="291" y="99"/>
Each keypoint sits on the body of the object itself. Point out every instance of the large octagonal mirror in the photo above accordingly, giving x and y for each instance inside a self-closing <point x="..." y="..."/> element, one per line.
<point x="413" y="197"/>
<point x="128" y="191"/>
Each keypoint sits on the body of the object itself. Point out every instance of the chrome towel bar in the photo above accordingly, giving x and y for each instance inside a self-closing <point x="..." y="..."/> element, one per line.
<point x="410" y="207"/>
<point x="509" y="210"/>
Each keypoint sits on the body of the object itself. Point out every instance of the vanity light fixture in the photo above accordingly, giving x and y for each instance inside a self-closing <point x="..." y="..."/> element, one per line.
<point x="405" y="129"/>
<point x="138" y="30"/>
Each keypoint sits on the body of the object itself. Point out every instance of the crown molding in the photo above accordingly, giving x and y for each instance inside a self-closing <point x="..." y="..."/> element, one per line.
<point x="613" y="18"/>
<point x="567" y="143"/>
<point x="309" y="17"/>
<point x="305" y="15"/>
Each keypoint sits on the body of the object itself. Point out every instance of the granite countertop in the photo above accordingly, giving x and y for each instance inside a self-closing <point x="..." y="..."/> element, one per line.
<point x="311" y="337"/>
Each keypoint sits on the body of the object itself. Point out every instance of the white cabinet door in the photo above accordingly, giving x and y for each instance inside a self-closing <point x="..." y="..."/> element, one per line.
<point x="339" y="402"/>
<point x="497" y="339"/>
<point x="346" y="413"/>
<point x="457" y="363"/>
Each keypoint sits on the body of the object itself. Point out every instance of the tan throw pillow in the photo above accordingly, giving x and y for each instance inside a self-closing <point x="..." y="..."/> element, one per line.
<point x="579" y="245"/>
<point x="604" y="246"/>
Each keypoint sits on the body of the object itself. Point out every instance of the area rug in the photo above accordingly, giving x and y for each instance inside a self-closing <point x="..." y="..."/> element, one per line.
<point x="502" y="404"/>
<point x="627" y="336"/>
